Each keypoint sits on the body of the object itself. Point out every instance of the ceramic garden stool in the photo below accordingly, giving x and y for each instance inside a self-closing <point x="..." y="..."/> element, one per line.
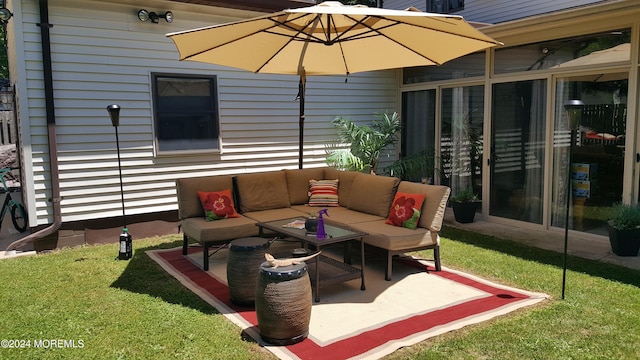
<point x="243" y="265"/>
<point x="283" y="303"/>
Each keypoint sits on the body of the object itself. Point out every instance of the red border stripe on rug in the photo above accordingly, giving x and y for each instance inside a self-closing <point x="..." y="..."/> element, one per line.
<point x="367" y="340"/>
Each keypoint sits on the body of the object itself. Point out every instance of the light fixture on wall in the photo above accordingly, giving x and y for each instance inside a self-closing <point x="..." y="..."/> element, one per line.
<point x="5" y="14"/>
<point x="145" y="15"/>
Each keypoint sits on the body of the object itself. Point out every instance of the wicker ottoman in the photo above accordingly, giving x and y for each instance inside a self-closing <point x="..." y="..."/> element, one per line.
<point x="283" y="303"/>
<point x="243" y="266"/>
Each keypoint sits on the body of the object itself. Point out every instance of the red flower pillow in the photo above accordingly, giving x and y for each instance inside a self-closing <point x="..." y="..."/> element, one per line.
<point x="217" y="205"/>
<point x="405" y="210"/>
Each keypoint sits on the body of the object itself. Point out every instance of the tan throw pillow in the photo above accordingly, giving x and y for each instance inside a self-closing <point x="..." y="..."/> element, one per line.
<point x="323" y="192"/>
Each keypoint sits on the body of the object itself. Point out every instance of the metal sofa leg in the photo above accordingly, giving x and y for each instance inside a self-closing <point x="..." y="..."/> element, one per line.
<point x="436" y="257"/>
<point x="387" y="271"/>
<point x="205" y="263"/>
<point x="185" y="244"/>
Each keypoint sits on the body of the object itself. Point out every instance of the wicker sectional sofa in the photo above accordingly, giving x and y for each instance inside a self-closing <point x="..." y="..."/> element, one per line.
<point x="364" y="203"/>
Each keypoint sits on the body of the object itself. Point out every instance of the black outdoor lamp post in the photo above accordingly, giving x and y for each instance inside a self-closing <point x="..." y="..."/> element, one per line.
<point x="126" y="250"/>
<point x="574" y="113"/>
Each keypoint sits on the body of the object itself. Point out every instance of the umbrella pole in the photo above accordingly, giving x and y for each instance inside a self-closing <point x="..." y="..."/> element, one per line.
<point x="301" y="89"/>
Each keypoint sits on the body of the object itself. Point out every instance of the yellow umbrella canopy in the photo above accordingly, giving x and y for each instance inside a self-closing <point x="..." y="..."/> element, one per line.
<point x="332" y="39"/>
<point x="614" y="54"/>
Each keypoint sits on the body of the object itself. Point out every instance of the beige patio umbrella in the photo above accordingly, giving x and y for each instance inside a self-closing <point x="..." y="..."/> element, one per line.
<point x="619" y="53"/>
<point x="332" y="39"/>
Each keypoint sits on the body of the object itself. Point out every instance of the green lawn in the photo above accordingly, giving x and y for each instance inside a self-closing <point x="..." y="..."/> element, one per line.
<point x="133" y="309"/>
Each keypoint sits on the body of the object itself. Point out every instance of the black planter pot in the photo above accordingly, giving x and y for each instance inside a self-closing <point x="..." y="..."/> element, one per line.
<point x="464" y="212"/>
<point x="624" y="242"/>
<point x="311" y="225"/>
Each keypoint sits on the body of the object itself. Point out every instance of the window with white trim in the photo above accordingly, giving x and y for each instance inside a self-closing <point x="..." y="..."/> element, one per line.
<point x="185" y="112"/>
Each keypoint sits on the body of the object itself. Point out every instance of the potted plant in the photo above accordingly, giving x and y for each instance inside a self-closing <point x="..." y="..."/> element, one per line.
<point x="366" y="143"/>
<point x="418" y="167"/>
<point x="624" y="230"/>
<point x="464" y="204"/>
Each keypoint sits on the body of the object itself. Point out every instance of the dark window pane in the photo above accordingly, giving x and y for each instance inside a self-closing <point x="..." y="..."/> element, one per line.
<point x="186" y="113"/>
<point x="444" y="6"/>
<point x="463" y="67"/>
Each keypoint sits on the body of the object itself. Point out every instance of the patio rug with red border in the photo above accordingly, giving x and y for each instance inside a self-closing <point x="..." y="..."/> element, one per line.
<point x="417" y="304"/>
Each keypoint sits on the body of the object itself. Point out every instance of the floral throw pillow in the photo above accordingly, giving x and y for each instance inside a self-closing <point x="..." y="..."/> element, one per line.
<point x="405" y="210"/>
<point x="217" y="205"/>
<point x="323" y="192"/>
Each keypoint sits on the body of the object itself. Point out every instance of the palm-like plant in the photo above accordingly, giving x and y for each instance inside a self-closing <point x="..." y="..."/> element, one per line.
<point x="366" y="143"/>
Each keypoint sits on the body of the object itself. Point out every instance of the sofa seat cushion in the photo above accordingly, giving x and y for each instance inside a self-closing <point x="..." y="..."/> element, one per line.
<point x="203" y="231"/>
<point x="262" y="191"/>
<point x="373" y="194"/>
<point x="275" y="214"/>
<point x="298" y="183"/>
<point x="391" y="237"/>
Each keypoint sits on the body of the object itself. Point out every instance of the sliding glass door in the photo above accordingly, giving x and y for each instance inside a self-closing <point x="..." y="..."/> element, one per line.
<point x="597" y="161"/>
<point x="517" y="152"/>
<point x="461" y="140"/>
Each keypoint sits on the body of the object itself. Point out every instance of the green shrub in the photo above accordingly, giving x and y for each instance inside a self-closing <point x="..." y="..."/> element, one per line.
<point x="466" y="195"/>
<point x="625" y="217"/>
<point x="366" y="143"/>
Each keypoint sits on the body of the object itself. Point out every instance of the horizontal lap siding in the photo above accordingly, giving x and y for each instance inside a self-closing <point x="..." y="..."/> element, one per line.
<point x="404" y="4"/>
<point x="497" y="11"/>
<point x="493" y="12"/>
<point x="103" y="54"/>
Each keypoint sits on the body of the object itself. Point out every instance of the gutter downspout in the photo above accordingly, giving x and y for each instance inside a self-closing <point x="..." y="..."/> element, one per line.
<point x="51" y="132"/>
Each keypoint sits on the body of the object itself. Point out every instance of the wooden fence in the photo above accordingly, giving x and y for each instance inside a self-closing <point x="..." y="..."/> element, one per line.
<point x="8" y="128"/>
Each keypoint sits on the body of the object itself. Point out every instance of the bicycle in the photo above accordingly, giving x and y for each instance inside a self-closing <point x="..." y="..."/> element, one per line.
<point x="18" y="213"/>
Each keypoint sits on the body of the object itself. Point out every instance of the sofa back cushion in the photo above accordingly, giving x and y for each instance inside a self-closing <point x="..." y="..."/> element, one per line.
<point x="187" y="190"/>
<point x="345" y="182"/>
<point x="434" y="206"/>
<point x="298" y="183"/>
<point x="262" y="191"/>
<point x="373" y="194"/>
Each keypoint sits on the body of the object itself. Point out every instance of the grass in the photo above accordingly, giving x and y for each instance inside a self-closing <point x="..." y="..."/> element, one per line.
<point x="133" y="309"/>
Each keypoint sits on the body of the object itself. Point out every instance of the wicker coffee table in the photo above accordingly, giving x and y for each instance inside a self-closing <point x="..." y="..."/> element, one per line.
<point x="324" y="270"/>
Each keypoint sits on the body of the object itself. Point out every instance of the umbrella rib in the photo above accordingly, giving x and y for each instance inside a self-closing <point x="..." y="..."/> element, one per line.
<point x="310" y="36"/>
<point x="276" y="24"/>
<point x="377" y="32"/>
<point x="291" y="38"/>
<point x="344" y="59"/>
<point x="400" y="22"/>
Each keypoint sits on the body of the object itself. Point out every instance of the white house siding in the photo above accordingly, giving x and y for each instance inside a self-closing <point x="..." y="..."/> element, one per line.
<point x="102" y="54"/>
<point x="403" y="4"/>
<point x="497" y="11"/>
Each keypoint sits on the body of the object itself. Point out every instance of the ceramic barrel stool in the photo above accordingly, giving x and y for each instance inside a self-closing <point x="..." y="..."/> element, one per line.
<point x="283" y="303"/>
<point x="243" y="266"/>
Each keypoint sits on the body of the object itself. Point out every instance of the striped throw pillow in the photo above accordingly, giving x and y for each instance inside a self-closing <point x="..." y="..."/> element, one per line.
<point x="323" y="192"/>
